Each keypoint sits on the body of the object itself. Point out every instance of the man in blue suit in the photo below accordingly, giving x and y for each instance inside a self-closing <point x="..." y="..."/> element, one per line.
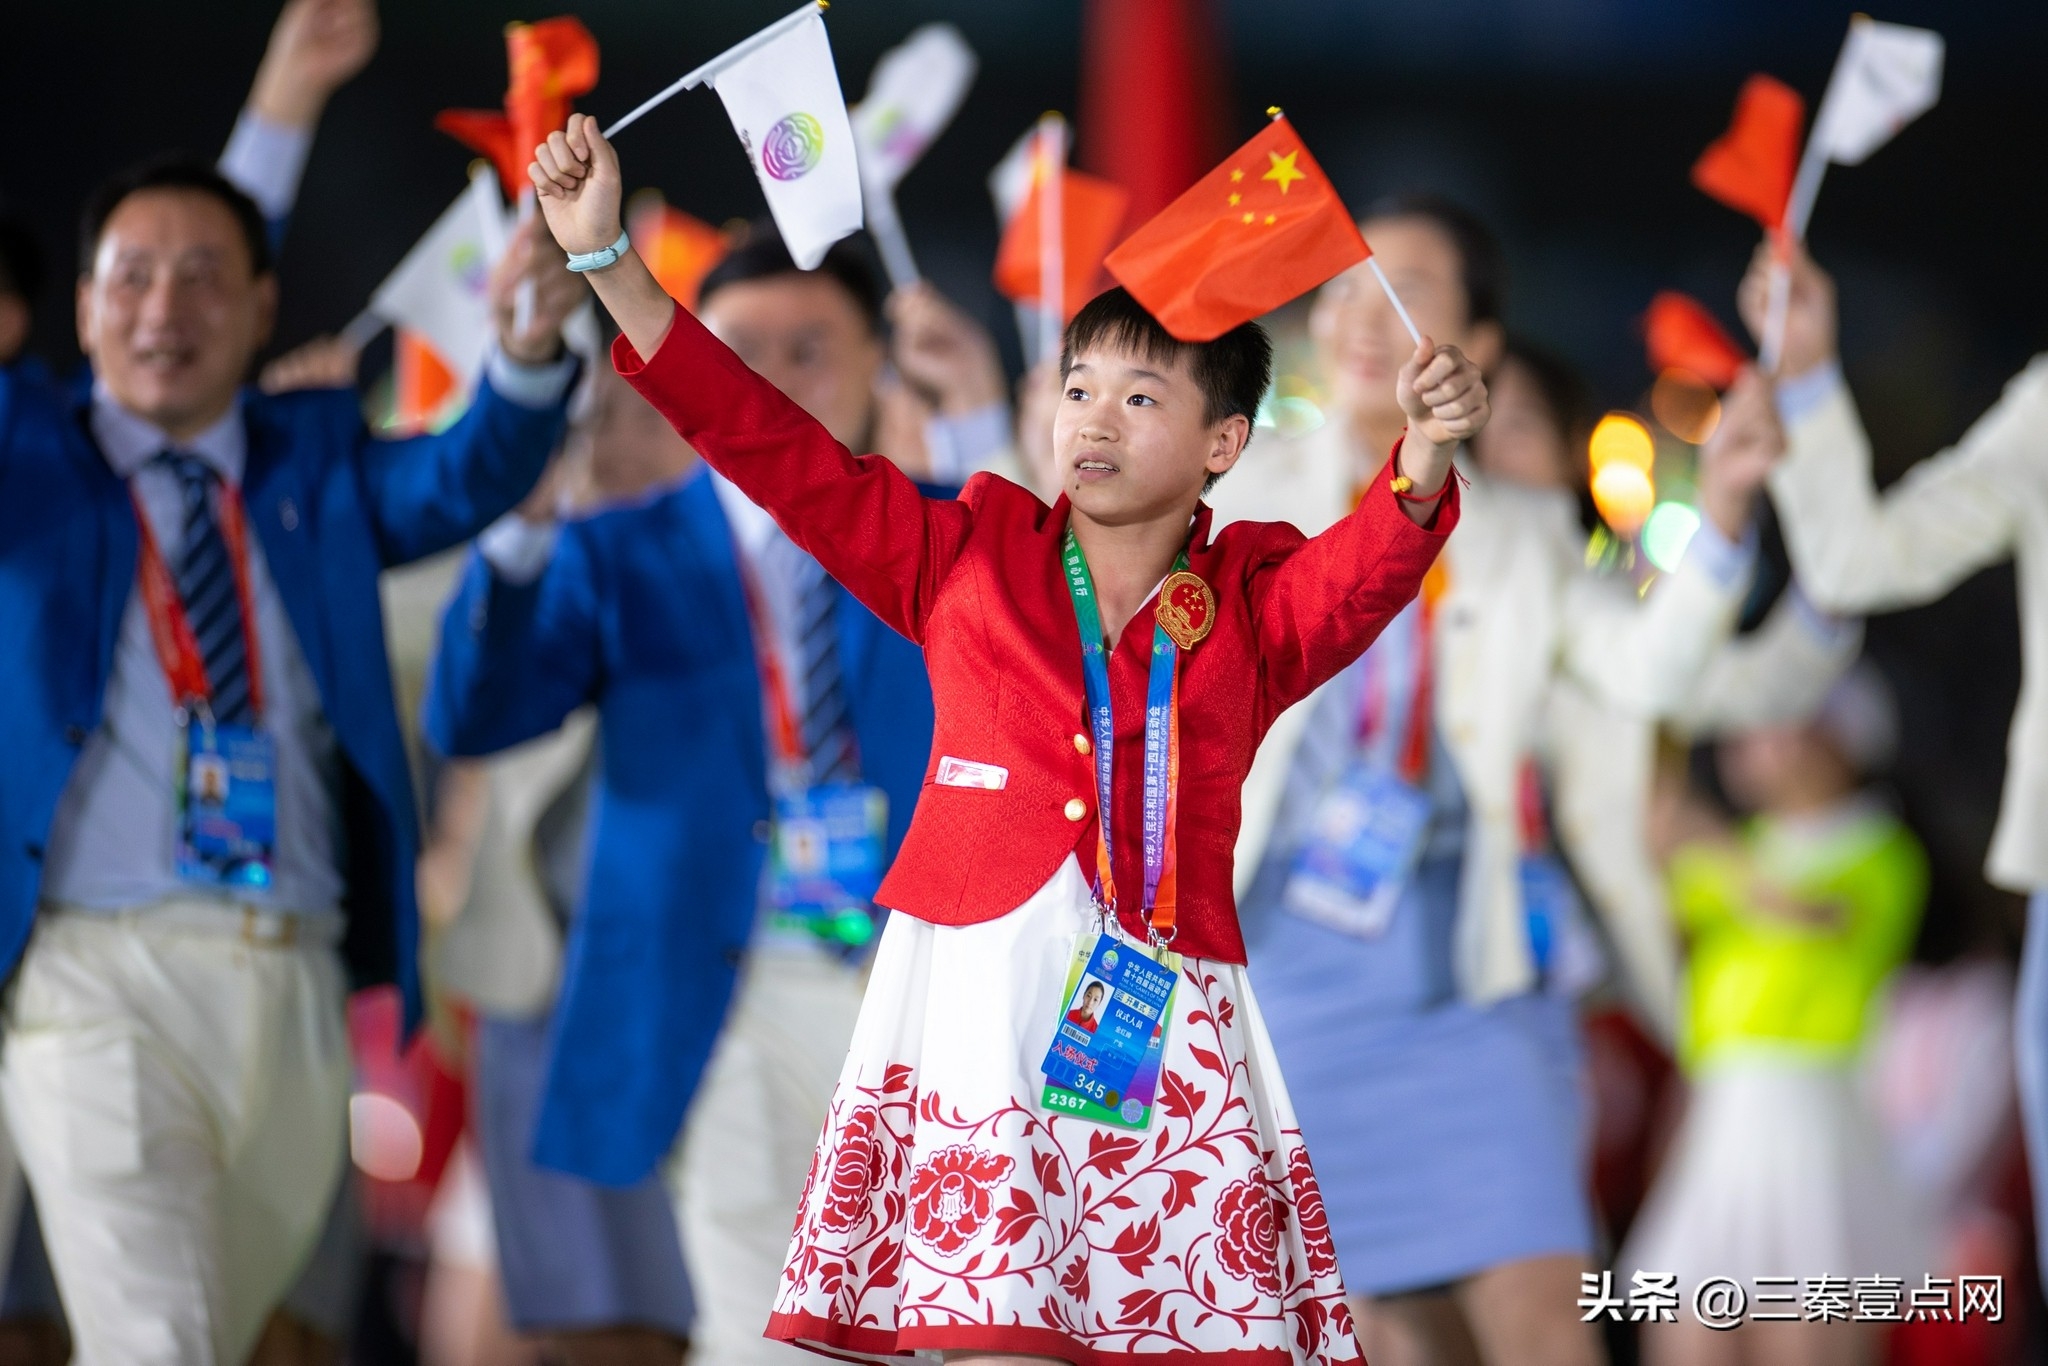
<point x="206" y="793"/>
<point x="720" y="659"/>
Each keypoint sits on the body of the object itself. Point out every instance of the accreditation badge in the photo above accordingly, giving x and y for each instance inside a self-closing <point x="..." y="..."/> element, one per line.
<point x="1361" y="850"/>
<point x="227" y="806"/>
<point x="1110" y="1039"/>
<point x="828" y="852"/>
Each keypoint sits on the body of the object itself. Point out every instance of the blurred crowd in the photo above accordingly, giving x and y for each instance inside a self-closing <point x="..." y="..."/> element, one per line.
<point x="501" y="1054"/>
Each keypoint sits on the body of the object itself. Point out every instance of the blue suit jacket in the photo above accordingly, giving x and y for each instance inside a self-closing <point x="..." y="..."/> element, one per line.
<point x="332" y="507"/>
<point x="640" y="611"/>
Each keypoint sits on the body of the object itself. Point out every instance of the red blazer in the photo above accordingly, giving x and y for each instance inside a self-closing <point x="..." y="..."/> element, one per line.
<point x="977" y="582"/>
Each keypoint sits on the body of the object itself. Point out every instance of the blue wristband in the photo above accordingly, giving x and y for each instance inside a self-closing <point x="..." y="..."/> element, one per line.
<point x="598" y="260"/>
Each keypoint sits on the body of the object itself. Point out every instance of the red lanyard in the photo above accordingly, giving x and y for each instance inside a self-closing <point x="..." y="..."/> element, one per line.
<point x="1413" y="760"/>
<point x="785" y="737"/>
<point x="171" y="630"/>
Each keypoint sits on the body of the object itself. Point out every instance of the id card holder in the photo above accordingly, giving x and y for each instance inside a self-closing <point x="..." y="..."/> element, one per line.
<point x="227" y="806"/>
<point x="1361" y="849"/>
<point x="827" y="855"/>
<point x="1109" y="1042"/>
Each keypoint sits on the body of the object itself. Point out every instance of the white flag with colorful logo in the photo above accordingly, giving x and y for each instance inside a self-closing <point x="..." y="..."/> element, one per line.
<point x="913" y="94"/>
<point x="784" y="101"/>
<point x="441" y="290"/>
<point x="1887" y="76"/>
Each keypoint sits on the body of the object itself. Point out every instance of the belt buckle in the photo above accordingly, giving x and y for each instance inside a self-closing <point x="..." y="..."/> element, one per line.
<point x="280" y="933"/>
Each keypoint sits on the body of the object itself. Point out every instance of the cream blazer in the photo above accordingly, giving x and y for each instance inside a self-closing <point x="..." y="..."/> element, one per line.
<point x="1979" y="502"/>
<point x="1536" y="655"/>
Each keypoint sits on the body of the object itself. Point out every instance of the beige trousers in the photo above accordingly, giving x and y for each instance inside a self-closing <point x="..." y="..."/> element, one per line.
<point x="177" y="1085"/>
<point x="738" y="1172"/>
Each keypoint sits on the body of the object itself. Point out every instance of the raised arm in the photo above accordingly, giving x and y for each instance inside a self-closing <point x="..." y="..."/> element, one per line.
<point x="1860" y="551"/>
<point x="1647" y="656"/>
<point x="316" y="47"/>
<point x="859" y="516"/>
<point x="519" y="640"/>
<point x="429" y="492"/>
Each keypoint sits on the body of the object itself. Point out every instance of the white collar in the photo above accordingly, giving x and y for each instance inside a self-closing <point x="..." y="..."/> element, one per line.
<point x="129" y="442"/>
<point x="752" y="528"/>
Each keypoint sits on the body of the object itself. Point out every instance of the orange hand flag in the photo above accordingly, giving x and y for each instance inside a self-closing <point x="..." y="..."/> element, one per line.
<point x="1750" y="167"/>
<point x="1260" y="230"/>
<point x="1091" y="215"/>
<point x="422" y="384"/>
<point x="552" y="63"/>
<point x="679" y="250"/>
<point x="1680" y="334"/>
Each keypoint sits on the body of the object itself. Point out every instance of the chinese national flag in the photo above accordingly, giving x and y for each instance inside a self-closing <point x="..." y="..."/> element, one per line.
<point x="552" y="63"/>
<point x="1091" y="215"/>
<point x="1750" y="167"/>
<point x="679" y="250"/>
<point x="1260" y="230"/>
<point x="1680" y="334"/>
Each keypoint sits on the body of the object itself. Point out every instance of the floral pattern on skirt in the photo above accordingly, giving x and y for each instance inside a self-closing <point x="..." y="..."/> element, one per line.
<point x="947" y="1213"/>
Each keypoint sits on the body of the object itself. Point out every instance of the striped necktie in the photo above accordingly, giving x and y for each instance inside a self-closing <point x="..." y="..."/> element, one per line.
<point x="205" y="578"/>
<point x="824" y="729"/>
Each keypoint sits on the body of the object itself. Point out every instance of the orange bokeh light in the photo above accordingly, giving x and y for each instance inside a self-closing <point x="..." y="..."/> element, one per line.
<point x="1621" y="439"/>
<point x="1624" y="494"/>
<point x="1686" y="405"/>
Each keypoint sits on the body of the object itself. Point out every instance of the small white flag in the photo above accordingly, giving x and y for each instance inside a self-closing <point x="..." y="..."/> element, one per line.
<point x="916" y="89"/>
<point x="1009" y="184"/>
<point x="442" y="288"/>
<point x="784" y="101"/>
<point x="1887" y="76"/>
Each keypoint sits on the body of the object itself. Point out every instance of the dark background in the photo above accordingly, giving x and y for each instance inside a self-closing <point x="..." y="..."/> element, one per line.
<point x="1570" y="123"/>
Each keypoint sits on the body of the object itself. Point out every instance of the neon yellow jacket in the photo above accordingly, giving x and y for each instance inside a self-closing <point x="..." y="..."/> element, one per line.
<point x="1757" y="977"/>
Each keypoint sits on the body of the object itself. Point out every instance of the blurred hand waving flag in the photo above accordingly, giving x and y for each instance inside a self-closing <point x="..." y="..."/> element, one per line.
<point x="1750" y="167"/>
<point x="552" y="63"/>
<point x="784" y="101"/>
<point x="1260" y="230"/>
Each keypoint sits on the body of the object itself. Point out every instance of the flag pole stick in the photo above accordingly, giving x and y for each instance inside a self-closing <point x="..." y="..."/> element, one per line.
<point x="361" y="330"/>
<point x="1394" y="299"/>
<point x="885" y="225"/>
<point x="1052" y="266"/>
<point x="522" y="293"/>
<point x="717" y="64"/>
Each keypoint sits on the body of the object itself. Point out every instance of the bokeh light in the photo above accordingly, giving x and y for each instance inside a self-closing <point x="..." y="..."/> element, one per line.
<point x="1621" y="440"/>
<point x="1624" y="494"/>
<point x="383" y="1137"/>
<point x="1667" y="532"/>
<point x="1686" y="404"/>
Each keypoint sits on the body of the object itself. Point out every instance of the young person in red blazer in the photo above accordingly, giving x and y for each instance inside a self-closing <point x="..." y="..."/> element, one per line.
<point x="959" y="1201"/>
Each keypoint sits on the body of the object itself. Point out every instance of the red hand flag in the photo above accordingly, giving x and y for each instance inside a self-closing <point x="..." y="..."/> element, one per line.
<point x="679" y="250"/>
<point x="1260" y="230"/>
<point x="1750" y="167"/>
<point x="552" y="63"/>
<point x="1679" y="333"/>
<point x="1091" y="215"/>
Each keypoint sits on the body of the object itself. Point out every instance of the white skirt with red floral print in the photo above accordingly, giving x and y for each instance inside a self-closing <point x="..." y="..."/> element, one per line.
<point x="948" y="1211"/>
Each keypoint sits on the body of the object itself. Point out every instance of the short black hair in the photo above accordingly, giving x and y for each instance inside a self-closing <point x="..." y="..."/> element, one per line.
<point x="758" y="253"/>
<point x="1233" y="371"/>
<point x="177" y="171"/>
<point x="21" y="262"/>
<point x="1482" y="266"/>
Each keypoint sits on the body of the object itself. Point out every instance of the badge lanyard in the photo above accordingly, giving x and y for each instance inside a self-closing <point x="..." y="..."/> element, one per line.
<point x="785" y="731"/>
<point x="1162" y="747"/>
<point x="1412" y="759"/>
<point x="177" y="649"/>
